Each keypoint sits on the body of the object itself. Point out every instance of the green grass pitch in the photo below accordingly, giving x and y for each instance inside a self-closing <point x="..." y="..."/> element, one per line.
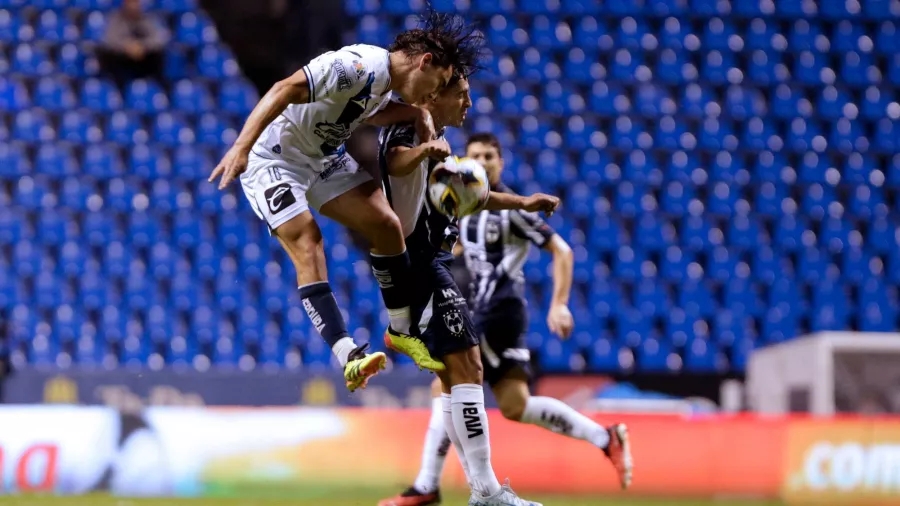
<point x="353" y="498"/>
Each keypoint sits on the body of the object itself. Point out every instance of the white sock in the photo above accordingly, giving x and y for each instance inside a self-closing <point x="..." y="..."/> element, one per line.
<point x="471" y="425"/>
<point x="342" y="349"/>
<point x="451" y="433"/>
<point x="437" y="444"/>
<point x="400" y="319"/>
<point x="559" y="417"/>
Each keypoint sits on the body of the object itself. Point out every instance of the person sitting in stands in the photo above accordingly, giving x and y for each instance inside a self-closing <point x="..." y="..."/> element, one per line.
<point x="133" y="45"/>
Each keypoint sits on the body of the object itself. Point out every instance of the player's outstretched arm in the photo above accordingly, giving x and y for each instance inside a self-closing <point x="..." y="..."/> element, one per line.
<point x="403" y="160"/>
<point x="499" y="201"/>
<point x="396" y="112"/>
<point x="559" y="318"/>
<point x="293" y="90"/>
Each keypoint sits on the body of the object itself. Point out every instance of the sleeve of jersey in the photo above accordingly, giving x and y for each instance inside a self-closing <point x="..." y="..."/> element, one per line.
<point x="336" y="74"/>
<point x="530" y="226"/>
<point x="400" y="136"/>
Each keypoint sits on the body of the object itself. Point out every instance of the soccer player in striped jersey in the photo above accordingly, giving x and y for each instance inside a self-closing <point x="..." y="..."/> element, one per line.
<point x="495" y="244"/>
<point x="438" y="307"/>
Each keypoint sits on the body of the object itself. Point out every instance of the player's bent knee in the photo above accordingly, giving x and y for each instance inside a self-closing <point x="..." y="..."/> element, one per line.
<point x="512" y="409"/>
<point x="385" y="225"/>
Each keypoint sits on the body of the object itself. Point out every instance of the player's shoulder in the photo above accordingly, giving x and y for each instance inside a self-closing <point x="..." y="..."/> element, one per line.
<point x="399" y="134"/>
<point x="364" y="58"/>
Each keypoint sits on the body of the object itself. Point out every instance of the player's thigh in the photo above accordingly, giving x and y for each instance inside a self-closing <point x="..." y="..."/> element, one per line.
<point x="349" y="195"/>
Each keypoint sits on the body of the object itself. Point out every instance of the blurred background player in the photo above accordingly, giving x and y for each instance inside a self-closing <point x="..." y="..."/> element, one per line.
<point x="293" y="146"/>
<point x="495" y="244"/>
<point x="439" y="308"/>
<point x="133" y="44"/>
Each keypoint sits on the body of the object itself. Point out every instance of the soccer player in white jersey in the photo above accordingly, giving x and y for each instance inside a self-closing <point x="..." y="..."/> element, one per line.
<point x="438" y="307"/>
<point x="495" y="244"/>
<point x="290" y="156"/>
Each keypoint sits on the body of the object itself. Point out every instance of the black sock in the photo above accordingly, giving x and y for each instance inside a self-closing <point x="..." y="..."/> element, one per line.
<point x="323" y="312"/>
<point x="393" y="276"/>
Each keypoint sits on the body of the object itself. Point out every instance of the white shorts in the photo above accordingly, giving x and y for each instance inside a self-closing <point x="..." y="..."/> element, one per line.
<point x="279" y="190"/>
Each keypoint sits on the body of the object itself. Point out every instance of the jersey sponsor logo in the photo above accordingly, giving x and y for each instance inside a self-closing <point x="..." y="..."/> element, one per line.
<point x="448" y="293"/>
<point x="334" y="165"/>
<point x="334" y="134"/>
<point x="454" y="322"/>
<point x="343" y="80"/>
<point x="383" y="277"/>
<point x="491" y="231"/>
<point x="474" y="427"/>
<point x="360" y="68"/>
<point x="558" y="422"/>
<point x="314" y="315"/>
<point x="280" y="197"/>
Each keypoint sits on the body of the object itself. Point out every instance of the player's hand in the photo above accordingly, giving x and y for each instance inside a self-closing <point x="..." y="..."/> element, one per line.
<point x="560" y="321"/>
<point x="425" y="126"/>
<point x="541" y="202"/>
<point x="231" y="167"/>
<point x="438" y="149"/>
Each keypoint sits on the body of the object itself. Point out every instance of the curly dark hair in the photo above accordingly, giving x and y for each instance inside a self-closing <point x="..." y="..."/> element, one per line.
<point x="449" y="39"/>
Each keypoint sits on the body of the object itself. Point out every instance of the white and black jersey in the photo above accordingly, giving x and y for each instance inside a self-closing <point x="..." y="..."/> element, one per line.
<point x="427" y="231"/>
<point x="496" y="246"/>
<point x="345" y="88"/>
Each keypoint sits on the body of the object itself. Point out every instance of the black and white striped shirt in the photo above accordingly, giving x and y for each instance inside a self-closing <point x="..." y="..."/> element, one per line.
<point x="496" y="246"/>
<point x="427" y="231"/>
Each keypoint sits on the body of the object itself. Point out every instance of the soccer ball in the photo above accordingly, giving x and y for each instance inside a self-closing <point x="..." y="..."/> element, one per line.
<point x="458" y="187"/>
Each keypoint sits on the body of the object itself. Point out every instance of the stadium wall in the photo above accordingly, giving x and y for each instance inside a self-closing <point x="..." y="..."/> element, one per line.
<point x="290" y="451"/>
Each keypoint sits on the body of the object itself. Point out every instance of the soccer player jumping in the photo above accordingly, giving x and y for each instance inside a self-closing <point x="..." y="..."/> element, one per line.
<point x="495" y="245"/>
<point x="438" y="307"/>
<point x="290" y="156"/>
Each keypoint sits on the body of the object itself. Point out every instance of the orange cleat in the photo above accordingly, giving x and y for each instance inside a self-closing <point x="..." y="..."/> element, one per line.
<point x="412" y="497"/>
<point x="619" y="453"/>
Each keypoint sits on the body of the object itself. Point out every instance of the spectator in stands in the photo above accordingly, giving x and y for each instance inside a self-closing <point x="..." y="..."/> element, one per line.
<point x="134" y="43"/>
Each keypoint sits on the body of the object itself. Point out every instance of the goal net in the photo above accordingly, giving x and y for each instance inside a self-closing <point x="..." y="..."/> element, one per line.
<point x="827" y="373"/>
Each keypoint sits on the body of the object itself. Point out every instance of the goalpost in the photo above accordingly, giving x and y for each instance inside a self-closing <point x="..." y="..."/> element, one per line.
<point x="827" y="373"/>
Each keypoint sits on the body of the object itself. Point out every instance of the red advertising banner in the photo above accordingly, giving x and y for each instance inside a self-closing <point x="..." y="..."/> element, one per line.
<point x="234" y="451"/>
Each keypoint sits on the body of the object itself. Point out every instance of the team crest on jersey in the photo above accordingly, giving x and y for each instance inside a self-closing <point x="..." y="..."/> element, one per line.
<point x="491" y="231"/>
<point x="454" y="322"/>
<point x="343" y="80"/>
<point x="360" y="68"/>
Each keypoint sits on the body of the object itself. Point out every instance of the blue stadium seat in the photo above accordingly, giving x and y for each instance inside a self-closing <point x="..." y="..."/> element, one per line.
<point x="54" y="94"/>
<point x="191" y="97"/>
<point x="215" y="62"/>
<point x="32" y="60"/>
<point x="33" y="126"/>
<point x="125" y="128"/>
<point x="101" y="95"/>
<point x="55" y="27"/>
<point x="79" y="127"/>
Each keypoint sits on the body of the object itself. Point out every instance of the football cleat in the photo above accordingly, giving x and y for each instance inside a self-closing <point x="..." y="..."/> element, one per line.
<point x="505" y="497"/>
<point x="361" y="366"/>
<point x="619" y="453"/>
<point x="414" y="348"/>
<point x="412" y="497"/>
